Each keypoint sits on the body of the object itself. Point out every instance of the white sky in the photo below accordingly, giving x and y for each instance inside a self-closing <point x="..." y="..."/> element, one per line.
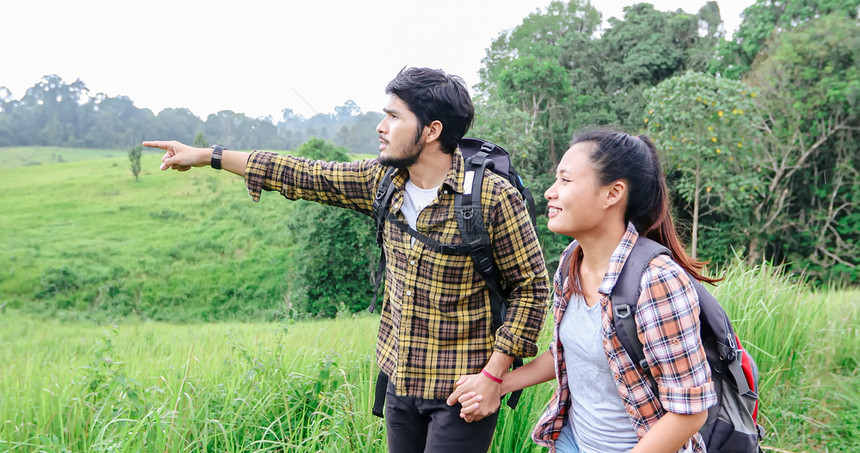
<point x="254" y="56"/>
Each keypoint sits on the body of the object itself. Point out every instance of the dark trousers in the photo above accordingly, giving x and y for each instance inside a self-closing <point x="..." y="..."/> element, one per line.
<point x="417" y="425"/>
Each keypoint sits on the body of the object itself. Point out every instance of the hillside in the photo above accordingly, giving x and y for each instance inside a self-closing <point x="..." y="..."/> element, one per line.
<point x="83" y="237"/>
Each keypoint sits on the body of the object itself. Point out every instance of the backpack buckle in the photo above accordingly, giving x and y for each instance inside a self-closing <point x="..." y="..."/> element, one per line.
<point x="621" y="311"/>
<point x="467" y="213"/>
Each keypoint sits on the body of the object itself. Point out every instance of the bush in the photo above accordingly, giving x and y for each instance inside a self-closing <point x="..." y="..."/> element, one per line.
<point x="336" y="250"/>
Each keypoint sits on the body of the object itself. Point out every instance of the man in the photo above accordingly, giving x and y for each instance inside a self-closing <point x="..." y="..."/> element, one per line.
<point x="436" y="322"/>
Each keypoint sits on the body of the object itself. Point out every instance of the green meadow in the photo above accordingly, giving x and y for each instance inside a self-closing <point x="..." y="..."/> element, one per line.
<point x="150" y="315"/>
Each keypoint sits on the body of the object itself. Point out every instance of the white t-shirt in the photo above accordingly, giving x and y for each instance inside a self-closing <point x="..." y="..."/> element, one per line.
<point x="415" y="199"/>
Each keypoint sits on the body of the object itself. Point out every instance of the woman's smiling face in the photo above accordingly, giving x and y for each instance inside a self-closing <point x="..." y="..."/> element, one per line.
<point x="576" y="201"/>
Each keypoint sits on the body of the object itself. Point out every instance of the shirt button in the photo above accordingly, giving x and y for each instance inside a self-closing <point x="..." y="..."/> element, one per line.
<point x="408" y="293"/>
<point x="631" y="412"/>
<point x="445" y="192"/>
<point x="412" y="262"/>
<point x="605" y="341"/>
<point x="676" y="341"/>
<point x="617" y="376"/>
<point x="603" y="302"/>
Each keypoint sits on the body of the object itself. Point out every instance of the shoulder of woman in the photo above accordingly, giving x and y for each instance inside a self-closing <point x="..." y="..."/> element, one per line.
<point x="663" y="272"/>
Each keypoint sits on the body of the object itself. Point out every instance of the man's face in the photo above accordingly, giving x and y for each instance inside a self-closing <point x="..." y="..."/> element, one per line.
<point x="400" y="141"/>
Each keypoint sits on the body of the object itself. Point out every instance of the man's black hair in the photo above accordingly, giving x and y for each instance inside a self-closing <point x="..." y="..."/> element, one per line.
<point x="433" y="95"/>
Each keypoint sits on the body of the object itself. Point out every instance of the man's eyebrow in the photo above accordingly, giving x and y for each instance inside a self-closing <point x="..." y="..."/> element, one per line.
<point x="389" y="111"/>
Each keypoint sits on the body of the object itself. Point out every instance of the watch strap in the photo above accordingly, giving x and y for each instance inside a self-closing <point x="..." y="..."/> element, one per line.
<point x="217" y="151"/>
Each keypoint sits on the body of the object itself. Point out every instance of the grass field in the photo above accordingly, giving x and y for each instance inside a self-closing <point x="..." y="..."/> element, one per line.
<point x="84" y="239"/>
<point x="25" y="156"/>
<point x="307" y="387"/>
<point x="105" y="284"/>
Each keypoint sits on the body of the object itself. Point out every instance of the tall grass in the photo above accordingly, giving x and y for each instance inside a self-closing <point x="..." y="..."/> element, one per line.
<point x="806" y="345"/>
<point x="308" y="386"/>
<point x="212" y="387"/>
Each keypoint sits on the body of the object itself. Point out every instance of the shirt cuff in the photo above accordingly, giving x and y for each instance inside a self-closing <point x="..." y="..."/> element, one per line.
<point x="257" y="172"/>
<point x="688" y="400"/>
<point x="509" y="344"/>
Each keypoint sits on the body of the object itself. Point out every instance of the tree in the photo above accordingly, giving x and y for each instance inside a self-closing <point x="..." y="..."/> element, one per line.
<point x="335" y="249"/>
<point x="199" y="141"/>
<point x="766" y="18"/>
<point x="649" y="46"/>
<point x="134" y="157"/>
<point x="809" y="85"/>
<point x="348" y="110"/>
<point x="702" y="127"/>
<point x="528" y="72"/>
<point x="179" y="124"/>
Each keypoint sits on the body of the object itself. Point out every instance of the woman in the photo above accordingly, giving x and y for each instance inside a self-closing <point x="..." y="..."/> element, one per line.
<point x="609" y="190"/>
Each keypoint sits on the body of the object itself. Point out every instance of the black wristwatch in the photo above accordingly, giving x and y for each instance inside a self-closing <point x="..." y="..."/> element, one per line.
<point x="216" y="156"/>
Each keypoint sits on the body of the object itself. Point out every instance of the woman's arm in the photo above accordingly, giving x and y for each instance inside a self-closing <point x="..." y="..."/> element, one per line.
<point x="671" y="432"/>
<point x="541" y="369"/>
<point x="537" y="371"/>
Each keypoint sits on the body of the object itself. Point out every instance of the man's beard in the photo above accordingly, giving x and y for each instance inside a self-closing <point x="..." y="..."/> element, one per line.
<point x="409" y="156"/>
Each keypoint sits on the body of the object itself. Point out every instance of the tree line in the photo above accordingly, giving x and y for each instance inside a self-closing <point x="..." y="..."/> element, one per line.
<point x="54" y="112"/>
<point x="757" y="134"/>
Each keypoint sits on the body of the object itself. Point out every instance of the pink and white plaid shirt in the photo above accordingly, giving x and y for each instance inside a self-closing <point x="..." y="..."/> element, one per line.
<point x="667" y="320"/>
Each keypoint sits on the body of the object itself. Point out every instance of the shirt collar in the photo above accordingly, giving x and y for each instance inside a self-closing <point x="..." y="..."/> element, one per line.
<point x="454" y="178"/>
<point x="619" y="257"/>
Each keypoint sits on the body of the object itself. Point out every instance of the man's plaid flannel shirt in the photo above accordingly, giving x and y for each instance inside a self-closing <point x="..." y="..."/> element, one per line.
<point x="436" y="323"/>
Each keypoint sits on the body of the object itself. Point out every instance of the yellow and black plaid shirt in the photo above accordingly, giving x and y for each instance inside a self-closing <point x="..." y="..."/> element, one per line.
<point x="436" y="321"/>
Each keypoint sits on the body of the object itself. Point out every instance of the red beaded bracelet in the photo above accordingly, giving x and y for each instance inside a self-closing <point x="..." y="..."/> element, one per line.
<point x="491" y="377"/>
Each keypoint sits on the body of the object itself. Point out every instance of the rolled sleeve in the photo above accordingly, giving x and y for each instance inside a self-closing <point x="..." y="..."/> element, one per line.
<point x="669" y="328"/>
<point x="688" y="400"/>
<point x="522" y="267"/>
<point x="256" y="172"/>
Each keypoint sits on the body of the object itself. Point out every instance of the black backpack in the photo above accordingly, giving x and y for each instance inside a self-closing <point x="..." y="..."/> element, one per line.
<point x="478" y="155"/>
<point x="731" y="426"/>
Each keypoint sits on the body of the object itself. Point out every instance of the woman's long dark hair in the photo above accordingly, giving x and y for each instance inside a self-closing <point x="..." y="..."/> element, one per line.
<point x="619" y="156"/>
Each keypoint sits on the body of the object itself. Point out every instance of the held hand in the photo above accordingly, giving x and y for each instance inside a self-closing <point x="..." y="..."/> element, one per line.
<point x="180" y="156"/>
<point x="482" y="397"/>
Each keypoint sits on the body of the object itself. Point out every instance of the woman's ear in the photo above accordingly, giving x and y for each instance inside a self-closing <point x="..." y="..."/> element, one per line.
<point x="616" y="193"/>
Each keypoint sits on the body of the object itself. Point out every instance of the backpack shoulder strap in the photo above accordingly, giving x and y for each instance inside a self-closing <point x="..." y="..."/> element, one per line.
<point x="473" y="232"/>
<point x="381" y="202"/>
<point x="380" y="210"/>
<point x="470" y="220"/>
<point x="625" y="296"/>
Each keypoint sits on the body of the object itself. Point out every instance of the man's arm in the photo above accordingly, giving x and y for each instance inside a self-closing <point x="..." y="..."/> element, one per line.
<point x="520" y="261"/>
<point x="182" y="157"/>
<point x="350" y="185"/>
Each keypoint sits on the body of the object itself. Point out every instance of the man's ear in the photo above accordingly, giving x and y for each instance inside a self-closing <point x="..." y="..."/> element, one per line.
<point x="434" y="131"/>
<point x="617" y="192"/>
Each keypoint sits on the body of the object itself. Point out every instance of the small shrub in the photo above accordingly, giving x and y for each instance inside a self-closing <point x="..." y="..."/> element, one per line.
<point x="56" y="280"/>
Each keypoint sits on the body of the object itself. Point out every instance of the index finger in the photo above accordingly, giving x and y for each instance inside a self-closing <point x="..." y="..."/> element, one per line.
<point x="157" y="144"/>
